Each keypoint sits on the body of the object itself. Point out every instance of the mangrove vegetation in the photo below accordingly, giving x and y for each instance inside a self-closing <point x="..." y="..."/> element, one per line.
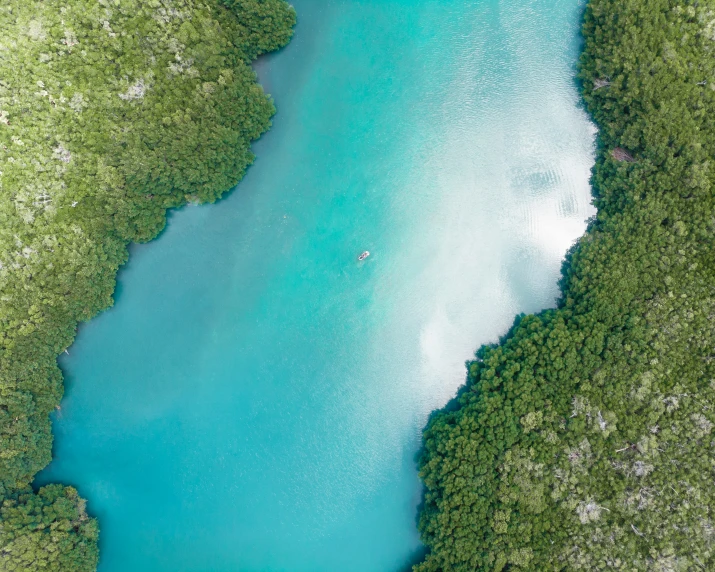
<point x="111" y="112"/>
<point x="585" y="439"/>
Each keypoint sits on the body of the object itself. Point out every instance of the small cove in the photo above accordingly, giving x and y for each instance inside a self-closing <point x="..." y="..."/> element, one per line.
<point x="254" y="400"/>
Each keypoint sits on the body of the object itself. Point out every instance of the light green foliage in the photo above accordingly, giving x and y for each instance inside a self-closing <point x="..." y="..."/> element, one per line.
<point x="111" y="111"/>
<point x="49" y="530"/>
<point x="585" y="440"/>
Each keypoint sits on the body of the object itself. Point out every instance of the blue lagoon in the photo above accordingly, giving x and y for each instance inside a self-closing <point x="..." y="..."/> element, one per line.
<point x="255" y="399"/>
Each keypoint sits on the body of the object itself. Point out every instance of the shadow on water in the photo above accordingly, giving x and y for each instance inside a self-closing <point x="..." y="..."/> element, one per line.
<point x="416" y="558"/>
<point x="577" y="45"/>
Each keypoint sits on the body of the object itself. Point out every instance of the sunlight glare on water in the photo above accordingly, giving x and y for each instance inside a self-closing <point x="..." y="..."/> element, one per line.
<point x="254" y="400"/>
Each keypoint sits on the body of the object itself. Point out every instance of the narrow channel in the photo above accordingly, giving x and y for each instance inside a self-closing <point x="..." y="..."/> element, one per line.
<point x="255" y="398"/>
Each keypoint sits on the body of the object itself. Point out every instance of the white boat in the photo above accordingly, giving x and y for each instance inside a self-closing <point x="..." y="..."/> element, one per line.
<point x="364" y="255"/>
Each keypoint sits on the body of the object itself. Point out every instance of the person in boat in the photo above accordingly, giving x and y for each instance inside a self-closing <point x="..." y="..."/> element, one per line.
<point x="364" y="255"/>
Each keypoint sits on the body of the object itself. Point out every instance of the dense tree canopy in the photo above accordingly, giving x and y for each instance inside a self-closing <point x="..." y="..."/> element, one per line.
<point x="111" y="112"/>
<point x="47" y="531"/>
<point x="584" y="441"/>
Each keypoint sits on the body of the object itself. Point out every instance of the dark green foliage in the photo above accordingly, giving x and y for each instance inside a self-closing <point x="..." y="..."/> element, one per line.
<point x="585" y="441"/>
<point x="111" y="111"/>
<point x="49" y="530"/>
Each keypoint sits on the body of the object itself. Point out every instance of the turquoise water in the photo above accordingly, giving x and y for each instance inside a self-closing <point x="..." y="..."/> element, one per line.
<point x="254" y="400"/>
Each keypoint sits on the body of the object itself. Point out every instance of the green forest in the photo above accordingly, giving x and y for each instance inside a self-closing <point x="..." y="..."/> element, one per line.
<point x="111" y="112"/>
<point x="584" y="440"/>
